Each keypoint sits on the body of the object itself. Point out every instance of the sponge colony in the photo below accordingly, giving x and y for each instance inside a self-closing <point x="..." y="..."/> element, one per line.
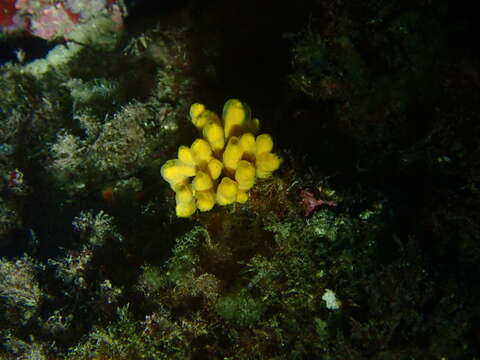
<point x="222" y="166"/>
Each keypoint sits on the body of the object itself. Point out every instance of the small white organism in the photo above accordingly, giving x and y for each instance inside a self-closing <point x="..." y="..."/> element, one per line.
<point x="331" y="300"/>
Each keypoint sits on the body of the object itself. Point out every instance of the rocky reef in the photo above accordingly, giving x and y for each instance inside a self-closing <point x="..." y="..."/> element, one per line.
<point x="356" y="237"/>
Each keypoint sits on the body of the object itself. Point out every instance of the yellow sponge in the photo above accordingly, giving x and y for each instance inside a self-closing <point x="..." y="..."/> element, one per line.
<point x="235" y="116"/>
<point x="201" y="151"/>
<point x="266" y="164"/>
<point x="205" y="117"/>
<point x="264" y="143"/>
<point x="215" y="167"/>
<point x="185" y="155"/>
<point x="249" y="146"/>
<point x="242" y="196"/>
<point x="202" y="181"/>
<point x="187" y="209"/>
<point x="175" y="172"/>
<point x="232" y="155"/>
<point x="227" y="191"/>
<point x="205" y="200"/>
<point x="222" y="166"/>
<point x="195" y="111"/>
<point x="183" y="193"/>
<point x="214" y="134"/>
<point x="245" y="175"/>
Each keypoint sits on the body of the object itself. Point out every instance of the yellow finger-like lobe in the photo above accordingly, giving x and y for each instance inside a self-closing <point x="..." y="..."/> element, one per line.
<point x="174" y="171"/>
<point x="202" y="181"/>
<point x="205" y="200"/>
<point x="264" y="143"/>
<point x="201" y="151"/>
<point x="266" y="164"/>
<point x="183" y="193"/>
<point x="185" y="155"/>
<point x="214" y="134"/>
<point x="195" y="111"/>
<point x="186" y="209"/>
<point x="245" y="175"/>
<point x="235" y="116"/>
<point x="232" y="155"/>
<point x="242" y="196"/>
<point x="247" y="141"/>
<point x="205" y="117"/>
<point x="215" y="167"/>
<point x="226" y="191"/>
